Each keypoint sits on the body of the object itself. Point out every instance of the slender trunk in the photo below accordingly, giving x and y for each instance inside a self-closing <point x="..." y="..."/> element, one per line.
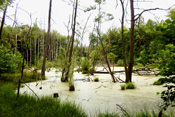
<point x="47" y="41"/>
<point x="19" y="82"/>
<point x="106" y="58"/>
<point x="35" y="50"/>
<point x="3" y="20"/>
<point x="30" y="53"/>
<point x="38" y="49"/>
<point x="131" y="51"/>
<point x="123" y="41"/>
<point x="72" y="39"/>
<point x="15" y="44"/>
<point x="56" y="51"/>
<point x="27" y="56"/>
<point x="14" y="22"/>
<point x="43" y="46"/>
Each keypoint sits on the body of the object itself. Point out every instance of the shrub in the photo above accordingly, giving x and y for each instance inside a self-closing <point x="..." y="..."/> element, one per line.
<point x="9" y="63"/>
<point x="28" y="76"/>
<point x="130" y="85"/>
<point x="96" y="79"/>
<point x="123" y="87"/>
<point x="120" y="62"/>
<point x="91" y="71"/>
<point x="157" y="83"/>
<point x="161" y="81"/>
<point x="85" y="65"/>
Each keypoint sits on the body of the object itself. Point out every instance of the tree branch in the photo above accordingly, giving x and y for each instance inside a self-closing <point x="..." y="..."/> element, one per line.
<point x="139" y="15"/>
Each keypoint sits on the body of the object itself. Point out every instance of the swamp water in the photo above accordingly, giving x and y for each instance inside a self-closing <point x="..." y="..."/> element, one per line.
<point x="102" y="96"/>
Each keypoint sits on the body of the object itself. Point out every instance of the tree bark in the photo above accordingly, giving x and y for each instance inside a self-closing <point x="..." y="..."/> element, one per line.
<point x="72" y="39"/>
<point x="35" y="50"/>
<point x="30" y="53"/>
<point x="123" y="41"/>
<point x="106" y="58"/>
<point x="16" y="46"/>
<point x="47" y="41"/>
<point x="131" y="50"/>
<point x="3" y="20"/>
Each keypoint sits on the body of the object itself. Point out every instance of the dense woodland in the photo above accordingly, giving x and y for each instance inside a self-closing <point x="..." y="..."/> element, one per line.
<point x="26" y="46"/>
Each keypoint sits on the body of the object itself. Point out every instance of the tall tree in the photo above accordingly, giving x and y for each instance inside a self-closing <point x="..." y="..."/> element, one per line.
<point x="72" y="40"/>
<point x="47" y="40"/>
<point x="131" y="50"/>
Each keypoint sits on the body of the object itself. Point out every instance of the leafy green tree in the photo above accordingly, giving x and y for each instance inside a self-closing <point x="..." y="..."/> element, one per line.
<point x="9" y="63"/>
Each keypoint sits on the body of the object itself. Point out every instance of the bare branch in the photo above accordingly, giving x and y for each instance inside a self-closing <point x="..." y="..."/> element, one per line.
<point x="123" y="110"/>
<point x="139" y="15"/>
<point x="32" y="90"/>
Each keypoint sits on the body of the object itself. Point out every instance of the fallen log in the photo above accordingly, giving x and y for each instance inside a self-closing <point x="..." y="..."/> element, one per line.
<point x="103" y="72"/>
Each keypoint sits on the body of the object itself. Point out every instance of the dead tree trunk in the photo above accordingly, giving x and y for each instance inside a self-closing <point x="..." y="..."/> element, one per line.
<point x="47" y="41"/>
<point x="105" y="56"/>
<point x="131" y="50"/>
<point x="123" y="41"/>
<point x="72" y="41"/>
<point x="3" y="20"/>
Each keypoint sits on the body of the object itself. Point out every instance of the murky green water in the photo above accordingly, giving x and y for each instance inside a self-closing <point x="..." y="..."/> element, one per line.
<point x="100" y="96"/>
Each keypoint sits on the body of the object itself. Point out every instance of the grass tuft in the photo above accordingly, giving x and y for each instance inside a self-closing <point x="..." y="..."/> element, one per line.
<point x="27" y="105"/>
<point x="130" y="85"/>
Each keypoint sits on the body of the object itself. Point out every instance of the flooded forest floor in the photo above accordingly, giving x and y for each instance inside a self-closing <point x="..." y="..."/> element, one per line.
<point x="102" y="96"/>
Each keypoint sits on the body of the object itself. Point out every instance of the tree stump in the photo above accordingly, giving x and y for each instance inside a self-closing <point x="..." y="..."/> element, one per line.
<point x="55" y="95"/>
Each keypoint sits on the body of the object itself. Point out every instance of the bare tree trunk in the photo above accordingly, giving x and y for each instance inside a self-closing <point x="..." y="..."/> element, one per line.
<point x="56" y="51"/>
<point x="43" y="46"/>
<point x="27" y="57"/>
<point x="38" y="49"/>
<point x="47" y="41"/>
<point x="16" y="36"/>
<point x="30" y="53"/>
<point x="14" y="22"/>
<point x="72" y="39"/>
<point x="123" y="41"/>
<point x="3" y="20"/>
<point x="106" y="58"/>
<point x="131" y="51"/>
<point x="35" y="50"/>
<point x="19" y="82"/>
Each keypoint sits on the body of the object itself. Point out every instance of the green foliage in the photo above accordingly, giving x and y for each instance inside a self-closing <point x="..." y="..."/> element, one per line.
<point x="171" y="14"/>
<point x="123" y="87"/>
<point x="157" y="83"/>
<point x="28" y="76"/>
<point x="161" y="81"/>
<point x="167" y="58"/>
<point x="107" y="114"/>
<point x="85" y="65"/>
<point x="30" y="106"/>
<point x="9" y="63"/>
<point x="168" y="96"/>
<point x="120" y="62"/>
<point x="130" y="85"/>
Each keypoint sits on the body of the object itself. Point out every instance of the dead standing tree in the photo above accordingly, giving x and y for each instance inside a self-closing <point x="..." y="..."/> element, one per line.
<point x="47" y="41"/>
<point x="25" y="54"/>
<point x="129" y="67"/>
<point x="72" y="41"/>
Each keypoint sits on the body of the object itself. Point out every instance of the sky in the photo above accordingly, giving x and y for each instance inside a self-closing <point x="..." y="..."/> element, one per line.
<point x="62" y="10"/>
